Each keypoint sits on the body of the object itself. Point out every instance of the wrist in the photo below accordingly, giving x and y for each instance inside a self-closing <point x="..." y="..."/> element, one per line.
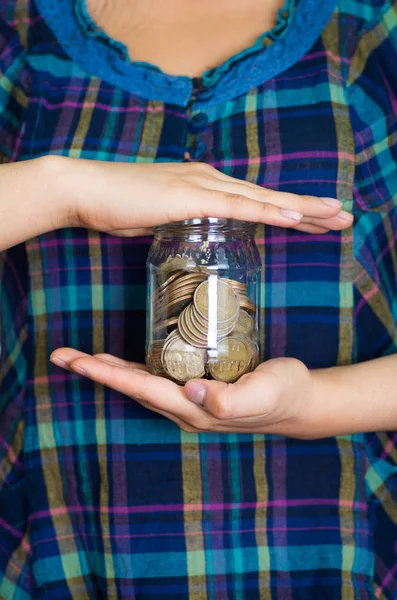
<point x="324" y="403"/>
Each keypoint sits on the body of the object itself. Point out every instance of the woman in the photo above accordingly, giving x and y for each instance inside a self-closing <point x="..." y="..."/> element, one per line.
<point x="117" y="116"/>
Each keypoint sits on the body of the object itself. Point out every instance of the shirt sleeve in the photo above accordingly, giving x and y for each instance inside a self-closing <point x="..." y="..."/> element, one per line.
<point x="13" y="85"/>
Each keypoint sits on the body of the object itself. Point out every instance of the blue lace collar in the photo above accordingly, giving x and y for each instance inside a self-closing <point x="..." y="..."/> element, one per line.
<point x="98" y="55"/>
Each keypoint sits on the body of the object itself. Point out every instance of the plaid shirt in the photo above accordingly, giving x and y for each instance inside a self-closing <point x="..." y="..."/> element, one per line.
<point x="101" y="498"/>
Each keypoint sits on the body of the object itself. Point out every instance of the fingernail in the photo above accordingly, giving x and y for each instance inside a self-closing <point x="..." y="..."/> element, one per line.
<point x="59" y="363"/>
<point x="79" y="370"/>
<point x="291" y="214"/>
<point x="345" y="216"/>
<point x="331" y="201"/>
<point x="195" y="393"/>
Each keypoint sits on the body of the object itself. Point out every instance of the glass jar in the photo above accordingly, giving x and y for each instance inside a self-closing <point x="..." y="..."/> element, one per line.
<point x="203" y="298"/>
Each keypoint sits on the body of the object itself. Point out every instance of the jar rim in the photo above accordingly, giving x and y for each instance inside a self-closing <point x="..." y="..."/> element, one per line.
<point x="207" y="224"/>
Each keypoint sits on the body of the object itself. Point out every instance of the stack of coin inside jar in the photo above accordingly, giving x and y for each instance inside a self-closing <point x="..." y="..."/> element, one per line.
<point x="203" y="326"/>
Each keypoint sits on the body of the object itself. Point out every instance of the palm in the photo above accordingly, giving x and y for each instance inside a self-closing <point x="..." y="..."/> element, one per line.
<point x="253" y="404"/>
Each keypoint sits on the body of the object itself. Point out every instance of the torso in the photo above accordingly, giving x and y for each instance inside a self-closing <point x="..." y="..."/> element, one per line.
<point x="120" y="503"/>
<point x="185" y="37"/>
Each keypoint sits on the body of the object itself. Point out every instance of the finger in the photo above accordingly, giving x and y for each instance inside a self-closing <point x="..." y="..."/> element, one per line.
<point x="139" y="232"/>
<point x="120" y="362"/>
<point x="67" y="355"/>
<point x="229" y="205"/>
<point x="253" y="395"/>
<point x="62" y="357"/>
<point x="159" y="393"/>
<point x="311" y="229"/>
<point x="342" y="221"/>
<point x="307" y="205"/>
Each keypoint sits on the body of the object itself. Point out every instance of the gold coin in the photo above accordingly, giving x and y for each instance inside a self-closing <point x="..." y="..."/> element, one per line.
<point x="182" y="361"/>
<point x="199" y="325"/>
<point x="170" y="337"/>
<point x="170" y="293"/>
<point x="175" y="263"/>
<point x="237" y="285"/>
<point x="153" y="358"/>
<point x="248" y="305"/>
<point x="202" y="326"/>
<point x="165" y="324"/>
<point x="156" y="347"/>
<point x="190" y="333"/>
<point x="245" y="323"/>
<point x="177" y="305"/>
<point x="233" y="360"/>
<point x="254" y="351"/>
<point x="221" y="297"/>
<point x="183" y="289"/>
<point x="185" y="284"/>
<point x="164" y="285"/>
<point x="255" y="360"/>
<point x="200" y="336"/>
<point x="197" y="332"/>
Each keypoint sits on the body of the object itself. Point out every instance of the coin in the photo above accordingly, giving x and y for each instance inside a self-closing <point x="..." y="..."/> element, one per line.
<point x="164" y="285"/>
<point x="188" y="334"/>
<point x="245" y="323"/>
<point x="221" y="298"/>
<point x="169" y="338"/>
<point x="185" y="283"/>
<point x="234" y="357"/>
<point x="248" y="305"/>
<point x="177" y="305"/>
<point x="153" y="358"/>
<point x="238" y="285"/>
<point x="175" y="263"/>
<point x="181" y="360"/>
<point x="182" y="289"/>
<point x="202" y="326"/>
<point x="254" y="351"/>
<point x="164" y="325"/>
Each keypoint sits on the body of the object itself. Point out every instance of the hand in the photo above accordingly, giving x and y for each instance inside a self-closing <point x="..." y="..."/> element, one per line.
<point x="275" y="398"/>
<point x="129" y="199"/>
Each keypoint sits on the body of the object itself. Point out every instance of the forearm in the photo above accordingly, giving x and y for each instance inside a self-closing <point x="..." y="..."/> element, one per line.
<point x="354" y="399"/>
<point x="32" y="201"/>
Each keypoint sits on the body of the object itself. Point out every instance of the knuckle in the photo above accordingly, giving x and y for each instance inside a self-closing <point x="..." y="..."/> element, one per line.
<point x="265" y="207"/>
<point x="234" y="201"/>
<point x="175" y="182"/>
<point x="222" y="407"/>
<point x="299" y="203"/>
<point x="200" y="167"/>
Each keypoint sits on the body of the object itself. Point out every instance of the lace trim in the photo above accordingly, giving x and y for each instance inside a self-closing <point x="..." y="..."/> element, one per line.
<point x="234" y="78"/>
<point x="209" y="77"/>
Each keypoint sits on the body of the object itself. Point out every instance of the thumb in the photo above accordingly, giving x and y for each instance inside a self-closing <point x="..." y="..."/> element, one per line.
<point x="252" y="395"/>
<point x="211" y="395"/>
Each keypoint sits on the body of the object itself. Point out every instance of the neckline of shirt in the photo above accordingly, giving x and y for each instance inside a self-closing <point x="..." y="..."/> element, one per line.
<point x="235" y="77"/>
<point x="210" y="76"/>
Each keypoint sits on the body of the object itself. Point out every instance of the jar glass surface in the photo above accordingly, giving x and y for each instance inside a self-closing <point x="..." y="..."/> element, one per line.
<point x="203" y="298"/>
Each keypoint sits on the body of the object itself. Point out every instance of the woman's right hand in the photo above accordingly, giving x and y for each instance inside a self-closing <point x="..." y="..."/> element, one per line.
<point x="127" y="199"/>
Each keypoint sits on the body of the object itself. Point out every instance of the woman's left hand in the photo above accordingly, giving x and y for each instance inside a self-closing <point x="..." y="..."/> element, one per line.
<point x="274" y="399"/>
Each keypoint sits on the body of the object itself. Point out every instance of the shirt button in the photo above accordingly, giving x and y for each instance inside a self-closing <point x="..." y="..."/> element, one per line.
<point x="198" y="123"/>
<point x="197" y="151"/>
<point x="203" y="94"/>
